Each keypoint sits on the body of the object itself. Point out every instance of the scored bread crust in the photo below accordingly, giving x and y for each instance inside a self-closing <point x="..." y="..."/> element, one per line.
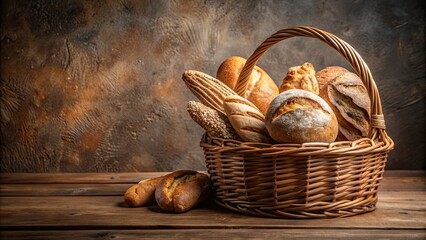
<point x="261" y="89"/>
<point x="306" y="118"/>
<point x="327" y="74"/>
<point x="182" y="190"/>
<point x="246" y="119"/>
<point x="349" y="99"/>
<point x="209" y="90"/>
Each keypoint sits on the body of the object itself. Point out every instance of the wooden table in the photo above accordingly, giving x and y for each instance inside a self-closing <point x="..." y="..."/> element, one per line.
<point x="90" y="206"/>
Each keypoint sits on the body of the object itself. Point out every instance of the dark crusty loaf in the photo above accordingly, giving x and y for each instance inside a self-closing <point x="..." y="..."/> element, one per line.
<point x="327" y="74"/>
<point x="182" y="190"/>
<point x="348" y="97"/>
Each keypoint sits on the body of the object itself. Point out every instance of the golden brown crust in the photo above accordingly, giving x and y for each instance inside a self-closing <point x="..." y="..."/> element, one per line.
<point x="300" y="77"/>
<point x="261" y="89"/>
<point x="349" y="99"/>
<point x="329" y="73"/>
<point x="246" y="119"/>
<point x="209" y="90"/>
<point x="299" y="116"/>
<point x="182" y="190"/>
<point x="143" y="193"/>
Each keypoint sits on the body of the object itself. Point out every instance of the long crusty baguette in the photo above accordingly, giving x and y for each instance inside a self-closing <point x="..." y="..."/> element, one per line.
<point x="182" y="190"/>
<point x="143" y="193"/>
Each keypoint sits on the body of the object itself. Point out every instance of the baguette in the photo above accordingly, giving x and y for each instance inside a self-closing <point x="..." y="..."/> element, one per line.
<point x="182" y="190"/>
<point x="143" y="193"/>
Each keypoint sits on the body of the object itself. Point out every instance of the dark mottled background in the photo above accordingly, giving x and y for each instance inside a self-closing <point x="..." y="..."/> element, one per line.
<point x="96" y="85"/>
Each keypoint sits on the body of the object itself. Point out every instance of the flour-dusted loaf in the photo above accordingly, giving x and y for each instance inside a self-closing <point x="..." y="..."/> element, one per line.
<point x="246" y="119"/>
<point x="349" y="99"/>
<point x="214" y="122"/>
<point x="143" y="193"/>
<point x="299" y="116"/>
<point x="261" y="89"/>
<point x="182" y="190"/>
<point x="329" y="73"/>
<point x="300" y="77"/>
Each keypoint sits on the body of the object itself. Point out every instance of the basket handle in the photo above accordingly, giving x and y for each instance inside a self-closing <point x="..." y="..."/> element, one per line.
<point x="355" y="60"/>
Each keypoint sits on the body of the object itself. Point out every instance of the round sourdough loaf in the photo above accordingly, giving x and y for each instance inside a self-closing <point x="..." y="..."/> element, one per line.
<point x="299" y="116"/>
<point x="261" y="89"/>
<point x="348" y="98"/>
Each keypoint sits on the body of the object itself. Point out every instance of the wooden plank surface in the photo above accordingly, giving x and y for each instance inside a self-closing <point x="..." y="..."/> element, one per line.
<point x="218" y="234"/>
<point x="395" y="211"/>
<point x="90" y="205"/>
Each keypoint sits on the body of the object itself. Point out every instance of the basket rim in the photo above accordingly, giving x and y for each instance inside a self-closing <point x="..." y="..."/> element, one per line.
<point x="338" y="148"/>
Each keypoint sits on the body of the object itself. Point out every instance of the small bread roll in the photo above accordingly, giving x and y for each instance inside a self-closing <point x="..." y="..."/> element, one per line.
<point x="349" y="99"/>
<point x="182" y="190"/>
<point x="246" y="119"/>
<point x="300" y="77"/>
<point x="143" y="193"/>
<point x="329" y="73"/>
<point x="299" y="116"/>
<point x="261" y="89"/>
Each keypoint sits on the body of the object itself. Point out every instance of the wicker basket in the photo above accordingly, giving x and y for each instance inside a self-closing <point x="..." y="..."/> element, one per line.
<point x="310" y="180"/>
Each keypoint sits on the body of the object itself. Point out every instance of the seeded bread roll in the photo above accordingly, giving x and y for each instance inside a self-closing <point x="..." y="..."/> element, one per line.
<point x="349" y="99"/>
<point x="261" y="89"/>
<point x="300" y="77"/>
<point x="214" y="122"/>
<point x="299" y="116"/>
<point x="182" y="190"/>
<point x="143" y="193"/>
<point x="246" y="119"/>
<point x="327" y="74"/>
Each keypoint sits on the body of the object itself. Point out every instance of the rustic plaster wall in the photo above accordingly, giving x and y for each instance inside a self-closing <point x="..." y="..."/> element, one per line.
<point x="96" y="85"/>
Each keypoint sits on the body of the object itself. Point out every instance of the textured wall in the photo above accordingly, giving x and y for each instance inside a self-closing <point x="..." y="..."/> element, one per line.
<point x="96" y="85"/>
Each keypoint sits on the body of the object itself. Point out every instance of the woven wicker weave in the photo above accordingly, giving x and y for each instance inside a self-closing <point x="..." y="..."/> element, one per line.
<point x="310" y="180"/>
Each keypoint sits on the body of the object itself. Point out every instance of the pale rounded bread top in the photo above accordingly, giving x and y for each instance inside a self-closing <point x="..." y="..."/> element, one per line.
<point x="296" y="93"/>
<point x="298" y="116"/>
